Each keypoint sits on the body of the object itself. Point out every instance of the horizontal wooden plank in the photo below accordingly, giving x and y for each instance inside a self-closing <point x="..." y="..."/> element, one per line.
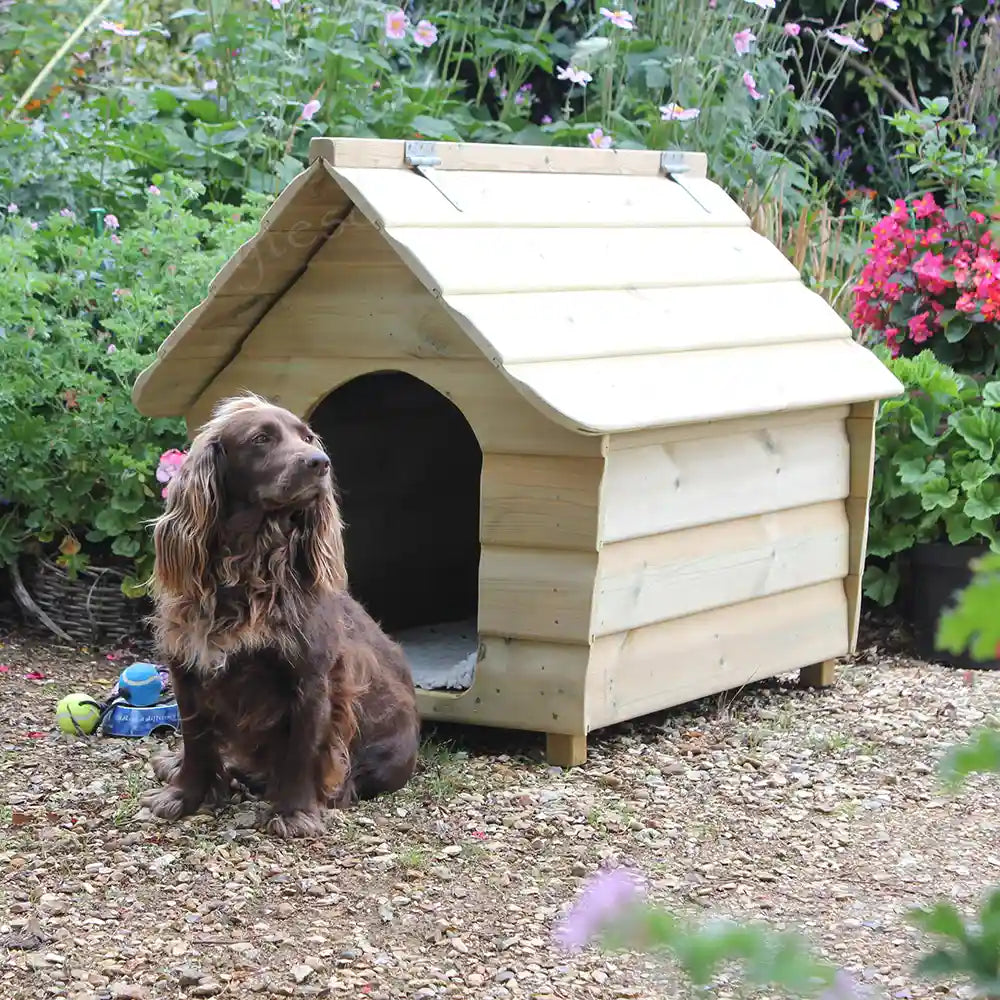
<point x="358" y="152"/>
<point x="457" y="261"/>
<point x="660" y="488"/>
<point x="518" y="684"/>
<point x="565" y="326"/>
<point x="675" y="662"/>
<point x="540" y="502"/>
<point x="494" y="198"/>
<point x="371" y="312"/>
<point x="536" y="593"/>
<point x="502" y="421"/>
<point x="726" y="427"/>
<point x="648" y="580"/>
<point x="611" y="395"/>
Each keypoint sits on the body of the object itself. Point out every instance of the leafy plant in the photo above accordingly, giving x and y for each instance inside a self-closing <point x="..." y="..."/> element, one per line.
<point x="82" y="313"/>
<point x="974" y="624"/>
<point x="937" y="466"/>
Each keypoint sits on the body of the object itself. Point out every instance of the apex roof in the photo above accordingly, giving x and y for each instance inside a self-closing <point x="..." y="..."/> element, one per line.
<point x="616" y="289"/>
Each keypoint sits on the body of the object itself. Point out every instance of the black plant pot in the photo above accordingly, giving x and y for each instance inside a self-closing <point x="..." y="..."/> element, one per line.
<point x="933" y="575"/>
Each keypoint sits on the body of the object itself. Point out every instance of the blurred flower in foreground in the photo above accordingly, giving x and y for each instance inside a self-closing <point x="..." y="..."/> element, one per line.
<point x="607" y="898"/>
<point x="673" y="112"/>
<point x="425" y="34"/>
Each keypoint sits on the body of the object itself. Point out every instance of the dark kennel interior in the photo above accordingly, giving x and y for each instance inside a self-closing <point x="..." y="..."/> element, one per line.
<point x="407" y="467"/>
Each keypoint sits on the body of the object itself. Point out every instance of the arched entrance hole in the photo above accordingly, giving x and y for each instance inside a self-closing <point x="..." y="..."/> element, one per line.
<point x="407" y="466"/>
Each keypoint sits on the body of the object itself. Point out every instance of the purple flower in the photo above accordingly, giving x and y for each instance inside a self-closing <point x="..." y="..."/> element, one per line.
<point x="111" y="221"/>
<point x="546" y="119"/>
<point x="12" y="209"/>
<point x="751" y="84"/>
<point x="609" y="895"/>
<point x="309" y="109"/>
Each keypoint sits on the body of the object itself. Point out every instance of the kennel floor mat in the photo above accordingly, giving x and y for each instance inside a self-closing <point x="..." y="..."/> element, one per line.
<point x="443" y="655"/>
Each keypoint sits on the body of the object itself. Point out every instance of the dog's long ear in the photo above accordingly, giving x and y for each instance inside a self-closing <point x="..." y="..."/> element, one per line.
<point x="185" y="533"/>
<point x="324" y="544"/>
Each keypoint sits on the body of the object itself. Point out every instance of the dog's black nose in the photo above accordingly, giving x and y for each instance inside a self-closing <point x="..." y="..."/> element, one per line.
<point x="317" y="462"/>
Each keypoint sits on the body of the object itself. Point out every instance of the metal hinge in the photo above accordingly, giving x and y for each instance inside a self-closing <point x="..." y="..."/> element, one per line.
<point x="672" y="164"/>
<point x="422" y="158"/>
<point x="420" y="154"/>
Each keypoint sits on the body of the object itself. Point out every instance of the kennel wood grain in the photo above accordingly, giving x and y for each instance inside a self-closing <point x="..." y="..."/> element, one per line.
<point x="673" y="437"/>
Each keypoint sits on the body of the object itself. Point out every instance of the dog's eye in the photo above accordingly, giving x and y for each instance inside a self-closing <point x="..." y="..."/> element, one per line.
<point x="261" y="438"/>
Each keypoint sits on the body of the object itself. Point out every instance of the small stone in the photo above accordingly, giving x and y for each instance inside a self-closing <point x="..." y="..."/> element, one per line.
<point x="127" y="991"/>
<point x="245" y="820"/>
<point x="451" y="850"/>
<point x="189" y="975"/>
<point x="285" y="909"/>
<point x="302" y="972"/>
<point x="474" y="979"/>
<point x="208" y="988"/>
<point x="579" y="869"/>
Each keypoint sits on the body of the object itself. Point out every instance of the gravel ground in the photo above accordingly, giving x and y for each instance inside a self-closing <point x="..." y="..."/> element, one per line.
<point x="816" y="810"/>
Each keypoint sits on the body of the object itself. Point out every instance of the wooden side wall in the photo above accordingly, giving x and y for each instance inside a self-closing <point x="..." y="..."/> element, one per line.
<point x="725" y="557"/>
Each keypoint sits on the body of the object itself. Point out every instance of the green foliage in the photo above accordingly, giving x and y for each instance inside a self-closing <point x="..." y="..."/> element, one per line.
<point x="979" y="753"/>
<point x="82" y="313"/>
<point x="945" y="154"/>
<point x="937" y="466"/>
<point x="974" y="623"/>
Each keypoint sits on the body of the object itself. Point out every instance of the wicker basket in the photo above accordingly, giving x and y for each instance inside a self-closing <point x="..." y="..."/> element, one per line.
<point x="89" y="608"/>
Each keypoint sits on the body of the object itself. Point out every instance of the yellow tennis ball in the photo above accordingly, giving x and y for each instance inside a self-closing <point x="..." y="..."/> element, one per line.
<point x="78" y="714"/>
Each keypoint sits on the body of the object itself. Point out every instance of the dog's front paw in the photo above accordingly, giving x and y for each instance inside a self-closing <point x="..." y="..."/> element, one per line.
<point x="166" y="765"/>
<point x="296" y="824"/>
<point x="169" y="802"/>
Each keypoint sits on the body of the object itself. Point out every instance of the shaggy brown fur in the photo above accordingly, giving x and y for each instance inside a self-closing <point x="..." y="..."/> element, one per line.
<point x="281" y="678"/>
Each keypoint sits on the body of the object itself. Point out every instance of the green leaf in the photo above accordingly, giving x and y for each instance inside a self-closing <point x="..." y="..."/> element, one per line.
<point x="983" y="503"/>
<point x="938" y="494"/>
<point x="991" y="394"/>
<point x="980" y="428"/>
<point x="125" y="545"/>
<point x="941" y="919"/>
<point x="880" y="585"/>
<point x="973" y="623"/>
<point x="434" y="128"/>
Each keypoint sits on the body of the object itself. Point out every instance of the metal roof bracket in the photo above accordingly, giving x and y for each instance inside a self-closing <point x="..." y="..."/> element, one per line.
<point x="672" y="164"/>
<point x="420" y="156"/>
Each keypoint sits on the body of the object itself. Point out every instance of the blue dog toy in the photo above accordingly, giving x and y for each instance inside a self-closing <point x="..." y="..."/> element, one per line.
<point x="140" y="703"/>
<point x="140" y="684"/>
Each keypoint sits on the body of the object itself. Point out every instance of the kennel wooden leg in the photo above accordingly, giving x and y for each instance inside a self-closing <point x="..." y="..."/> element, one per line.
<point x="563" y="750"/>
<point x="819" y="674"/>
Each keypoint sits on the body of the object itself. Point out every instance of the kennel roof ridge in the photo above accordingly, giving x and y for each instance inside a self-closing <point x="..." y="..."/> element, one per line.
<point x="617" y="290"/>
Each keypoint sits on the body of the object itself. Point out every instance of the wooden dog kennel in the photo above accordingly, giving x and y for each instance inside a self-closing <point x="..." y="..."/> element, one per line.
<point x="600" y="451"/>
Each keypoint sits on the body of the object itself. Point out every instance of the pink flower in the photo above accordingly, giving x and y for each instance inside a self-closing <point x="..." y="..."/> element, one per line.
<point x="153" y="190"/>
<point x="763" y="4"/>
<point x="925" y="206"/>
<point x="395" y="24"/>
<point x="425" y="34"/>
<point x="845" y="41"/>
<point x="118" y="28"/>
<point x="751" y="85"/>
<point x="891" y="4"/>
<point x="170" y="464"/>
<point x="210" y="85"/>
<point x="67" y="213"/>
<point x="112" y="349"/>
<point x="606" y="899"/>
<point x="111" y="221"/>
<point x="33" y="224"/>
<point x="276" y="4"/>
<point x="598" y="139"/>
<point x="792" y="30"/>
<point x="309" y="109"/>
<point x="546" y="119"/>
<point x="578" y="76"/>
<point x="919" y="331"/>
<point x="115" y="238"/>
<point x="673" y="112"/>
<point x="12" y="209"/>
<point x="742" y="40"/>
<point x="619" y="18"/>
<point x="492" y="74"/>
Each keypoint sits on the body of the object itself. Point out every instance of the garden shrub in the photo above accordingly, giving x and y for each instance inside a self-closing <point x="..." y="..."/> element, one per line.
<point x="84" y="305"/>
<point x="937" y="467"/>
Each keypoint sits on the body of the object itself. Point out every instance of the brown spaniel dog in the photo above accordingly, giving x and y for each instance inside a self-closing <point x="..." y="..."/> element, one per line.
<point x="282" y="679"/>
